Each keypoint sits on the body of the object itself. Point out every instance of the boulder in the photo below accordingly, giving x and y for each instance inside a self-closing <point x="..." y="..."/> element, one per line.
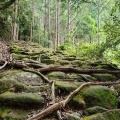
<point x="24" y="100"/>
<point x="109" y="115"/>
<point x="72" y="116"/>
<point x="104" y="77"/>
<point x="96" y="96"/>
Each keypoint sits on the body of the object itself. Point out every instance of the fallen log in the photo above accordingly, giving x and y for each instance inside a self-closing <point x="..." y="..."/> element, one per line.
<point x="63" y="103"/>
<point x="74" y="70"/>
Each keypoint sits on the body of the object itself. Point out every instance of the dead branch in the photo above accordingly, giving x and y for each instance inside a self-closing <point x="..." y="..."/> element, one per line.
<point x="62" y="103"/>
<point x="74" y="70"/>
<point x="38" y="73"/>
<point x="1" y="67"/>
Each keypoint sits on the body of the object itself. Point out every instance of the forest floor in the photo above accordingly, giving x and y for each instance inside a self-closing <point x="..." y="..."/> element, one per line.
<point x="36" y="83"/>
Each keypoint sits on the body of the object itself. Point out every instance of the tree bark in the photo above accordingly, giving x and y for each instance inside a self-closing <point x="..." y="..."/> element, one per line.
<point x="74" y="70"/>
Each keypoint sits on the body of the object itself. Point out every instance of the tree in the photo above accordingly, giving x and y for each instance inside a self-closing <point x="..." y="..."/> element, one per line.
<point x="6" y="5"/>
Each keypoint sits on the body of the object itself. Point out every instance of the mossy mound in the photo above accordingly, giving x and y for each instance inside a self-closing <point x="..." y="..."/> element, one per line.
<point x="56" y="75"/>
<point x="66" y="87"/>
<point x="97" y="96"/>
<point x="64" y="62"/>
<point x="95" y="110"/>
<point x="22" y="100"/>
<point x="109" y="115"/>
<point x="13" y="114"/>
<point x="48" y="61"/>
<point x="104" y="77"/>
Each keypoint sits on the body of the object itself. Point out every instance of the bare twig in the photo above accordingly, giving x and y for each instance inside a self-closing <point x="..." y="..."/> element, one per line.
<point x="1" y="67"/>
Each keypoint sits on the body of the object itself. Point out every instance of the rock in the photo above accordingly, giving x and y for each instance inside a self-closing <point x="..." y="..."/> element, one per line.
<point x="56" y="75"/>
<point x="104" y="77"/>
<point x="73" y="116"/>
<point x="48" y="61"/>
<point x="97" y="96"/>
<point x="66" y="87"/>
<point x="94" y="110"/>
<point x="109" y="115"/>
<point x="25" y="100"/>
<point x="64" y="62"/>
<point x="13" y="114"/>
<point x="87" y="77"/>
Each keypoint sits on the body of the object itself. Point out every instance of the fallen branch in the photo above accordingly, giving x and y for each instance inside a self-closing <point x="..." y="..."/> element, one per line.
<point x="1" y="67"/>
<point x="62" y="103"/>
<point x="74" y="70"/>
<point x="38" y="73"/>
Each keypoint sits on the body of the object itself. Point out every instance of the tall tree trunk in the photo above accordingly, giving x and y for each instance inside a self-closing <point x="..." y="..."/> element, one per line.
<point x="48" y="22"/>
<point x="68" y="20"/>
<point x="99" y="2"/>
<point x="15" y="20"/>
<point x="45" y="23"/>
<point x="32" y="22"/>
<point x="39" y="22"/>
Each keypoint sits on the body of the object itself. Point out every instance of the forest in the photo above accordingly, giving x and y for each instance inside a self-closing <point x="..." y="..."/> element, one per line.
<point x="59" y="59"/>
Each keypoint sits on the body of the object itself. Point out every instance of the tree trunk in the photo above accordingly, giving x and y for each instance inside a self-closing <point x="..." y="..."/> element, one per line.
<point x="68" y="19"/>
<point x="15" y="20"/>
<point x="32" y="23"/>
<point x="99" y="2"/>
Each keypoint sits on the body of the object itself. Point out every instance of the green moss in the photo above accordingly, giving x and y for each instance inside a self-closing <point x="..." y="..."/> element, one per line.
<point x="21" y="100"/>
<point x="104" y="77"/>
<point x="19" y="56"/>
<point x="78" y="102"/>
<point x="94" y="110"/>
<point x="13" y="114"/>
<point x="64" y="62"/>
<point x="19" y="87"/>
<point x="48" y="61"/>
<point x="109" y="115"/>
<point x="98" y="96"/>
<point x="56" y="75"/>
<point x="67" y="87"/>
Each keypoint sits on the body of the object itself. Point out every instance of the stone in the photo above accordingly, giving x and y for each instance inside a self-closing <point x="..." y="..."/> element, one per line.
<point x="94" y="110"/>
<point x="66" y="87"/>
<point x="72" y="116"/>
<point x="56" y="75"/>
<point x="104" y="77"/>
<point x="109" y="115"/>
<point x="24" y="100"/>
<point x="97" y="96"/>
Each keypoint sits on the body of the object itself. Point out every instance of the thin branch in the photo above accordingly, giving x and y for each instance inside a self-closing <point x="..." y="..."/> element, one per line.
<point x="1" y="67"/>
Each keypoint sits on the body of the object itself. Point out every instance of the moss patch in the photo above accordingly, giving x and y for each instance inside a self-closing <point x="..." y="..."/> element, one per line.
<point x="109" y="115"/>
<point x="98" y="96"/>
<point x="104" y="77"/>
<point x="21" y="100"/>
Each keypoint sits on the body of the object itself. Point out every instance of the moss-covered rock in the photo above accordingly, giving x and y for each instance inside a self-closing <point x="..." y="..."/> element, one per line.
<point x="20" y="56"/>
<point x="48" y="61"/>
<point x="13" y="114"/>
<point x="64" y="62"/>
<point x="21" y="100"/>
<point x="109" y="115"/>
<point x="56" y="75"/>
<point x="66" y="87"/>
<point x="95" y="110"/>
<point x="104" y="77"/>
<point x="97" y="96"/>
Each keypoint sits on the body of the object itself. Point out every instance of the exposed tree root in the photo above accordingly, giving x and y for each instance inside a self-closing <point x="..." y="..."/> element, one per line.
<point x="62" y="103"/>
<point x="1" y="67"/>
<point x="74" y="70"/>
